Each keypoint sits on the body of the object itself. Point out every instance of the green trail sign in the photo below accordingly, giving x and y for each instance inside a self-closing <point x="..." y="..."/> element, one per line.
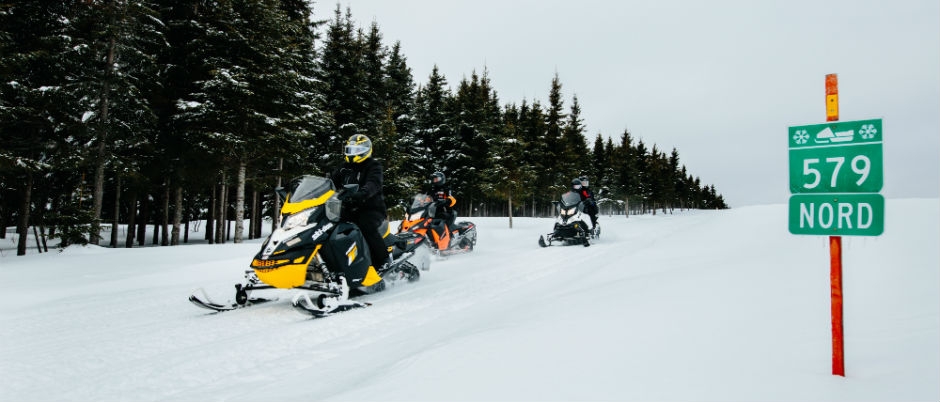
<point x="836" y="173"/>
<point x="837" y="214"/>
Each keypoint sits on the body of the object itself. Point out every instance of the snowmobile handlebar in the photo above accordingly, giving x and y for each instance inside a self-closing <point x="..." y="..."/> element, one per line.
<point x="347" y="191"/>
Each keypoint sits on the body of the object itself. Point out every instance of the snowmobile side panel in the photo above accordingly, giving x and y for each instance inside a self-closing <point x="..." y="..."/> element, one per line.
<point x="348" y="253"/>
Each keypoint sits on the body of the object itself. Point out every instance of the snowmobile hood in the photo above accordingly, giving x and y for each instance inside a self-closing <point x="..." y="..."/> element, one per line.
<point x="420" y="201"/>
<point x="570" y="199"/>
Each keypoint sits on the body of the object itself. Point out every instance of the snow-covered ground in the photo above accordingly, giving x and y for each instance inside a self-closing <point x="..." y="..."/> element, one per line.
<point x="693" y="306"/>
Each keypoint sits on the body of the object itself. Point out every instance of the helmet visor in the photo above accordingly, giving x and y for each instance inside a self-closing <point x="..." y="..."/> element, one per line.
<point x="356" y="149"/>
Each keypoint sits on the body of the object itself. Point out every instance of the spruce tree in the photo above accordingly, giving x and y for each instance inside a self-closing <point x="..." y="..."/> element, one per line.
<point x="431" y="125"/>
<point x="558" y="174"/>
<point x="341" y="74"/>
<point x="575" y="147"/>
<point x="114" y="66"/>
<point x="545" y="190"/>
<point x="400" y="106"/>
<point x="36" y="107"/>
<point x="510" y="177"/>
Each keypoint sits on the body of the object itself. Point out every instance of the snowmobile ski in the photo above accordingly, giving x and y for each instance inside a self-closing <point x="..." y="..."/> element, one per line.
<point x="324" y="305"/>
<point x="201" y="299"/>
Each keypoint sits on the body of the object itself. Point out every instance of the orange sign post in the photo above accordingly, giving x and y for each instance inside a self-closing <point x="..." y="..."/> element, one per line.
<point x="835" y="251"/>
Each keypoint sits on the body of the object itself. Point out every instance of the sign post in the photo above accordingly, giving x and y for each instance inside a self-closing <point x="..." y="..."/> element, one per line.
<point x="836" y="175"/>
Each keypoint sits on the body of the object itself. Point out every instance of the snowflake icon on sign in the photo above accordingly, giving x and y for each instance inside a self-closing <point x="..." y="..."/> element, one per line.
<point x="868" y="131"/>
<point x="801" y="136"/>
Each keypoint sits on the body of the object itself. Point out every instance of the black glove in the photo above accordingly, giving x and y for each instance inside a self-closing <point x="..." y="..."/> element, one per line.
<point x="358" y="196"/>
<point x="441" y="203"/>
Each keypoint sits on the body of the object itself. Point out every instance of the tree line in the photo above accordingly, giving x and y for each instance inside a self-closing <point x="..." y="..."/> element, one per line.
<point x="170" y="112"/>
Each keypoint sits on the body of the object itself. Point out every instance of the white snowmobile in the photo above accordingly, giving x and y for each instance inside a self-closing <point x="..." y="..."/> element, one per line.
<point x="571" y="227"/>
<point x="314" y="249"/>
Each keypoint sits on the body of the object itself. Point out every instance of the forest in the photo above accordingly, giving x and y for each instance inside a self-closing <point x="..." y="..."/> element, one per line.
<point x="159" y="114"/>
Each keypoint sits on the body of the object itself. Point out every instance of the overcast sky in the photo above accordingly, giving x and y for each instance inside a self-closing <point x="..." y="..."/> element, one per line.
<point x="720" y="81"/>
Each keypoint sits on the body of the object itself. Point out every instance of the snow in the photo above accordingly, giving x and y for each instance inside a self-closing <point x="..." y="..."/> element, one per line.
<point x="690" y="306"/>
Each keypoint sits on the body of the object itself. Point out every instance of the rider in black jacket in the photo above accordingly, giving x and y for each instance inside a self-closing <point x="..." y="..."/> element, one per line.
<point x="365" y="171"/>
<point x="440" y="192"/>
<point x="580" y="186"/>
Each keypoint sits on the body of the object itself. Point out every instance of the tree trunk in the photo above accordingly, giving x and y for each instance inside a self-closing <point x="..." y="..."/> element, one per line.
<point x="240" y="203"/>
<point x="131" y="215"/>
<point x="156" y="231"/>
<point x="21" y="228"/>
<point x="253" y="232"/>
<point x="3" y="223"/>
<point x="42" y="235"/>
<point x="144" y="219"/>
<point x="277" y="200"/>
<point x="510" y="208"/>
<point x="36" y="235"/>
<point x="210" y="217"/>
<point x="165" y="238"/>
<point x="177" y="214"/>
<point x="220" y="224"/>
<point x="98" y="194"/>
<point x="155" y="212"/>
<point x="117" y="212"/>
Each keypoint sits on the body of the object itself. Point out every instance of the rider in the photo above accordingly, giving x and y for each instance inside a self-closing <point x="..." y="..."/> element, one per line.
<point x="359" y="168"/>
<point x="442" y="196"/>
<point x="581" y="186"/>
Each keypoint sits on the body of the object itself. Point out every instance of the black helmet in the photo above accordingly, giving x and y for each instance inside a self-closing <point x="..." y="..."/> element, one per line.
<point x="584" y="181"/>
<point x="575" y="184"/>
<point x="438" y="179"/>
<point x="358" y="148"/>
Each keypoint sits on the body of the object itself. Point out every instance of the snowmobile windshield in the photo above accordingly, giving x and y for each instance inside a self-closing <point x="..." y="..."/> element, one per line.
<point x="570" y="199"/>
<point x="420" y="202"/>
<point x="310" y="188"/>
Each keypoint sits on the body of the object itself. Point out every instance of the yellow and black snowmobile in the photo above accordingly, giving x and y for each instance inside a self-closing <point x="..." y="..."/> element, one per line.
<point x="314" y="249"/>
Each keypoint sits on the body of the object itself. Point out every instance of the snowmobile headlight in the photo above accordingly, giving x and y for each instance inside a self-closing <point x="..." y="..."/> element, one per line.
<point x="569" y="211"/>
<point x="298" y="219"/>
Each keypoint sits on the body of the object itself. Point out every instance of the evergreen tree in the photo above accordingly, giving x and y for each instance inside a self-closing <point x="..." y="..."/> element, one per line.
<point x="574" y="145"/>
<point x="476" y="117"/>
<point x="400" y="107"/>
<point x="627" y="175"/>
<point x="373" y="97"/>
<point x="596" y="170"/>
<point x="431" y="125"/>
<point x="36" y="107"/>
<point x="236" y="113"/>
<point x="558" y="175"/>
<point x="343" y="79"/>
<point x="544" y="190"/>
<point x="510" y="177"/>
<point x="609" y="173"/>
<point x="114" y="69"/>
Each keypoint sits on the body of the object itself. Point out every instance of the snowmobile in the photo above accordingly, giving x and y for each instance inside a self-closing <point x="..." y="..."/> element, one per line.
<point x="316" y="248"/>
<point x="421" y="219"/>
<point x="570" y="225"/>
